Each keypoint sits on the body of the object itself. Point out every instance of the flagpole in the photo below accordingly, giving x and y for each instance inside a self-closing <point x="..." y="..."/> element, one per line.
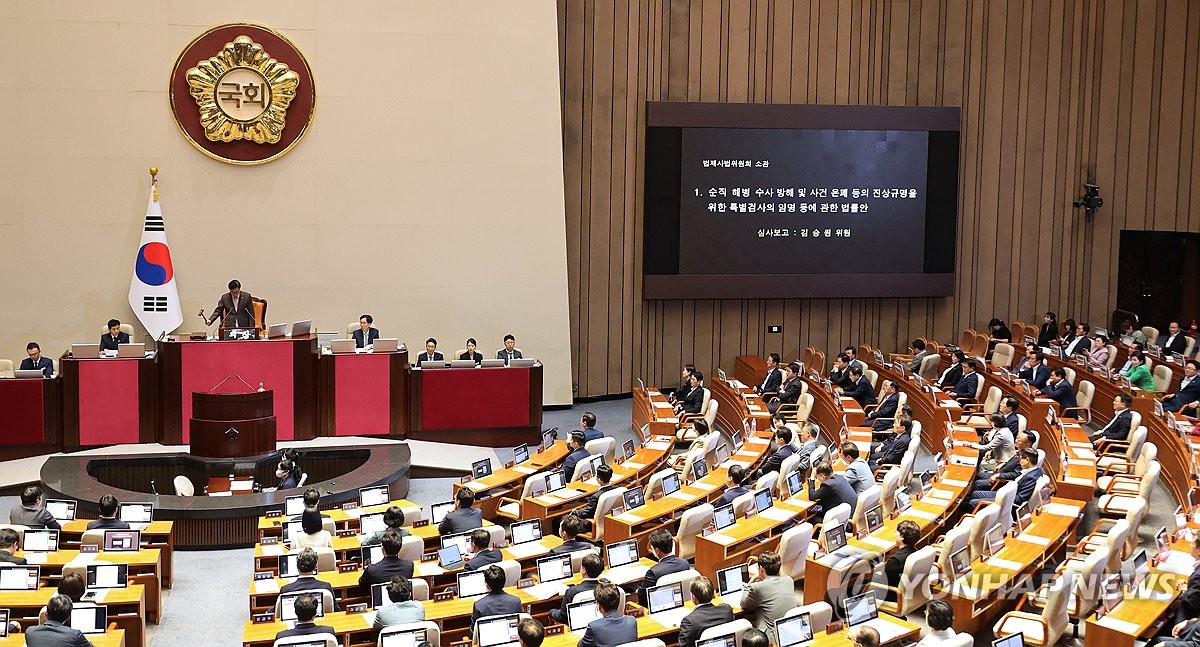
<point x="154" y="181"/>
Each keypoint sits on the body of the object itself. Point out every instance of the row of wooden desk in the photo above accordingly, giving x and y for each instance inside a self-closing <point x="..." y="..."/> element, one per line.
<point x="110" y="401"/>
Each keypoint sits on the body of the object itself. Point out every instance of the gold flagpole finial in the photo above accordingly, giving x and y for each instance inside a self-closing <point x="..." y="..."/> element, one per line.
<point x="154" y="181"/>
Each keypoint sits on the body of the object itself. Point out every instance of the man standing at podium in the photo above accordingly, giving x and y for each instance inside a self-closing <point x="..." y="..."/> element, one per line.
<point x="235" y="308"/>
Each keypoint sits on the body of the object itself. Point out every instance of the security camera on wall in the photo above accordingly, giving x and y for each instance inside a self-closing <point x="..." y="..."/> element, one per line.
<point x="1090" y="200"/>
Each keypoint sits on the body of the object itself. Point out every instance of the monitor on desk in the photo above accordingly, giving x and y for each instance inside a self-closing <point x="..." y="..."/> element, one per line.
<point x="629" y="447"/>
<point x="462" y="363"/>
<point x="385" y="345"/>
<point x="372" y="554"/>
<point x="292" y="530"/>
<point x="107" y="576"/>
<point x="301" y="328"/>
<point x="274" y="331"/>
<point x="520" y="454"/>
<point x="60" y="509"/>
<point x="40" y="541"/>
<point x="555" y="481"/>
<point x="472" y="584"/>
<point x="903" y="501"/>
<point x="492" y="363"/>
<point x="699" y="469"/>
<point x="794" y="630"/>
<point x="762" y="500"/>
<point x="731" y="580"/>
<point x="293" y="506"/>
<point x="522" y="362"/>
<point x="874" y="518"/>
<point x="554" y="568"/>
<point x="481" y="468"/>
<point x="548" y="438"/>
<point x="524" y="532"/>
<point x="287" y="605"/>
<point x="665" y="597"/>
<point x="1113" y="593"/>
<point x="861" y="608"/>
<point x="431" y="364"/>
<point x="402" y="638"/>
<point x="671" y="484"/>
<point x="994" y="540"/>
<point x="834" y="538"/>
<point x="1012" y="640"/>
<point x="960" y="562"/>
<point x="126" y="541"/>
<point x="461" y="539"/>
<point x="438" y="511"/>
<point x="137" y="513"/>
<point x="288" y="565"/>
<point x="131" y="351"/>
<point x="498" y="631"/>
<point x="89" y="619"/>
<point x="723" y="517"/>
<point x="379" y="595"/>
<point x="343" y="346"/>
<point x="634" y="497"/>
<point x="371" y="496"/>
<point x="722" y="454"/>
<point x="370" y="524"/>
<point x="581" y="614"/>
<point x="19" y="578"/>
<point x="622" y="553"/>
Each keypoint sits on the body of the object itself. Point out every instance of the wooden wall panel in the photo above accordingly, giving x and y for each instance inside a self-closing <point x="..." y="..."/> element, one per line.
<point x="1051" y="91"/>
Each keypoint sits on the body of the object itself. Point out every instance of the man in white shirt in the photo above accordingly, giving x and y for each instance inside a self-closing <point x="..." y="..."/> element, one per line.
<point x="1081" y="343"/>
<point x="1176" y="341"/>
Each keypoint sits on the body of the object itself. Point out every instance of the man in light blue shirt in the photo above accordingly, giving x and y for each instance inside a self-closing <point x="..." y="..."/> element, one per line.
<point x="858" y="473"/>
<point x="403" y="608"/>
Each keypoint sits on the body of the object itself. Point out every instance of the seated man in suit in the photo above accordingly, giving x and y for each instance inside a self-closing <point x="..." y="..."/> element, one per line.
<point x="1034" y="370"/>
<point x="593" y="566"/>
<point x="1059" y="389"/>
<point x="604" y="475"/>
<point x="306" y="611"/>
<point x="32" y="511"/>
<point x="1118" y="427"/>
<point x="704" y="615"/>
<point x="685" y="384"/>
<point x="10" y="543"/>
<point x="482" y="553"/>
<point x="35" y="361"/>
<point x="829" y="490"/>
<point x="465" y="516"/>
<point x="852" y="353"/>
<point x="108" y="515"/>
<point x="577" y="453"/>
<point x="840" y="373"/>
<point x="390" y="566"/>
<point x="735" y="479"/>
<point x="919" y="354"/>
<point x="1176" y="341"/>
<point x="890" y="451"/>
<point x="774" y="377"/>
<point x="789" y="389"/>
<point x="431" y="353"/>
<point x="1005" y="472"/>
<point x="808" y="444"/>
<point x="783" y="448"/>
<point x="403" y="609"/>
<point x="952" y="375"/>
<point x="530" y="633"/>
<point x="1026" y="481"/>
<point x="768" y="595"/>
<point x="56" y="632"/>
<point x="694" y="400"/>
<point x="1186" y="397"/>
<point x="306" y="563"/>
<point x="880" y="418"/>
<point x="496" y="602"/>
<point x="613" y="627"/>
<point x="114" y="337"/>
<point x="662" y="549"/>
<point x="968" y="386"/>
<point x="860" y="388"/>
<point x="588" y="422"/>
<point x="235" y="308"/>
<point x="365" y="335"/>
<point x="509" y="352"/>
<point x="393" y="519"/>
<point x="1081" y="344"/>
<point x="858" y="473"/>
<point x="1008" y="408"/>
<point x="570" y="529"/>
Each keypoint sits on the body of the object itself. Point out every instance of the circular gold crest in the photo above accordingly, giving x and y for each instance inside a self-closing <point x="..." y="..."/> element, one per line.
<point x="251" y="92"/>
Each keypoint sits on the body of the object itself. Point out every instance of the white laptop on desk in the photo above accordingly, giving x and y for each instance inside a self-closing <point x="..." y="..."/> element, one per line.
<point x="793" y="631"/>
<point x="623" y="566"/>
<point x="385" y="345"/>
<point x="666" y="604"/>
<point x="730" y="583"/>
<point x="552" y="573"/>
<point x="301" y="328"/>
<point x="581" y="614"/>
<point x="342" y="346"/>
<point x="498" y="631"/>
<point x="276" y="330"/>
<point x="862" y="610"/>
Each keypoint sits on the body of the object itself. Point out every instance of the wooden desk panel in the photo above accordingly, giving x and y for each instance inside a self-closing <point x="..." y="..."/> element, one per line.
<point x="364" y="394"/>
<point x="109" y="401"/>
<point x="158" y="535"/>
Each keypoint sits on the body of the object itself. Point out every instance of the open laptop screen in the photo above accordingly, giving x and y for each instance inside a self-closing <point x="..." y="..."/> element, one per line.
<point x="60" y="509"/>
<point x="665" y="597"/>
<point x="622" y="553"/>
<point x="107" y="576"/>
<point x="581" y="614"/>
<point x="437" y="511"/>
<point x="406" y="638"/>
<point x="287" y="605"/>
<point x="89" y="619"/>
<point x="731" y="579"/>
<point x="122" y="540"/>
<point x="293" y="506"/>
<point x="794" y="630"/>
<point x="723" y="517"/>
<point x="370" y="496"/>
<point x="526" y="531"/>
<point x="471" y="584"/>
<point x="498" y="630"/>
<point x="554" y="568"/>
<point x="138" y="512"/>
<point x="861" y="608"/>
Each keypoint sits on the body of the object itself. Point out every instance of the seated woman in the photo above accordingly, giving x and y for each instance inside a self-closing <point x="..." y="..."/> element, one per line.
<point x="1099" y="353"/>
<point x="315" y="535"/>
<point x="470" y="353"/>
<point x="1137" y="372"/>
<point x="909" y="533"/>
<point x="288" y="473"/>
<point x="998" y="332"/>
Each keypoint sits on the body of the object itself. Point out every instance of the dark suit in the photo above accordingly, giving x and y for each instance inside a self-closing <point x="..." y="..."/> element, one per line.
<point x="611" y="630"/>
<point x="1013" y="423"/>
<point x="108" y="524"/>
<point x="967" y="386"/>
<point x="508" y="355"/>
<point x="54" y="634"/>
<point x="494" y="604"/>
<point x="789" y="393"/>
<point x="1176" y="344"/>
<point x="881" y="416"/>
<point x="424" y="357"/>
<point x="461" y="520"/>
<point x="372" y="335"/>
<point x="7" y="558"/>
<point x="894" y="568"/>
<point x="774" y="462"/>
<point x="1010" y="470"/>
<point x="476" y="357"/>
<point x="730" y="494"/>
<point x="693" y="401"/>
<point x="572" y="546"/>
<point x="1047" y="334"/>
<point x="1061" y="392"/>
<point x="1083" y="346"/>
<point x="43" y="363"/>
<point x="861" y="391"/>
<point x="35" y="518"/>
<point x="1117" y="428"/>
<point x="384" y="570"/>
<point x="590" y="434"/>
<point x="840" y="378"/>
<point x="588" y="584"/>
<point x="835" y="491"/>
<point x="1186" y="394"/>
<point x="588" y="509"/>
<point x="310" y="583"/>
<point x="483" y="559"/>
<point x="771" y="382"/>
<point x="1190" y="598"/>
<point x="305" y="629"/>
<point x="108" y="343"/>
<point x="239" y="315"/>
<point x="702" y="617"/>
<point x="891" y="451"/>
<point x="665" y="566"/>
<point x="1025" y="487"/>
<point x="572" y="460"/>
<point x="952" y="376"/>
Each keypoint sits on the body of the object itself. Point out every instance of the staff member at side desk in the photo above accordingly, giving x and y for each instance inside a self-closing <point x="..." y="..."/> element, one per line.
<point x="35" y="361"/>
<point x="365" y="335"/>
<point x="470" y="353"/>
<point x="235" y="308"/>
<point x="114" y="337"/>
<point x="431" y="353"/>
<point x="1185" y="399"/>
<point x="509" y="352"/>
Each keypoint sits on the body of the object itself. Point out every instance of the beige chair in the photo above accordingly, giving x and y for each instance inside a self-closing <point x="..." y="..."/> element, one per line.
<point x="1083" y="401"/>
<point x="683" y="577"/>
<point x="1114" y="543"/>
<point x="976" y="414"/>
<point x="984" y="519"/>
<point x="789" y="465"/>
<point x="1137" y="469"/>
<point x="869" y="498"/>
<point x="838" y="515"/>
<point x="326" y="640"/>
<point x="930" y="366"/>
<point x="411" y="548"/>
<point x="326" y="559"/>
<point x="954" y="540"/>
<point x="1151" y="334"/>
<point x="125" y="328"/>
<point x="819" y="615"/>
<point x="607" y="502"/>
<point x="577" y="557"/>
<point x="512" y="571"/>
<point x="7" y="368"/>
<point x="872" y="378"/>
<point x="686" y="417"/>
<point x="1111" y="452"/>
<point x="606" y="446"/>
<point x="742" y="503"/>
<point x="183" y="486"/>
<point x="887" y="489"/>
<point x="655" y="484"/>
<point x="1162" y="378"/>
<point x="1002" y="355"/>
<point x="433" y="633"/>
<point x="352" y="326"/>
<point x="80" y="568"/>
<point x="20" y="530"/>
<point x="420" y="589"/>
<point x="913" y="592"/>
<point x="92" y="538"/>
<point x="687" y="431"/>
<point x="793" y="550"/>
<point x="693" y="521"/>
<point x="737" y="628"/>
<point x="1116" y="503"/>
<point x="1112" y="356"/>
<point x="583" y="466"/>
<point x="511" y="508"/>
<point x="1044" y="629"/>
<point x="1070" y="375"/>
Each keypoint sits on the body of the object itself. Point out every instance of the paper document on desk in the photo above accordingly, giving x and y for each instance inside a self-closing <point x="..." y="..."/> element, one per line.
<point x="35" y="558"/>
<point x="919" y="514"/>
<point x="521" y="469"/>
<point x="567" y="493"/>
<point x="629" y="517"/>
<point x="935" y="493"/>
<point x="547" y="590"/>
<point x="962" y="589"/>
<point x="1061" y="509"/>
<point x="953" y="483"/>
<point x="1122" y="626"/>
<point x="527" y="549"/>
<point x="657" y="445"/>
<point x="777" y="514"/>
<point x="274" y="550"/>
<point x="354" y="513"/>
<point x="707" y="487"/>
<point x="950" y="404"/>
<point x="632" y="465"/>
<point x="428" y="569"/>
<point x="262" y="587"/>
<point x="241" y="486"/>
<point x="877" y="542"/>
<point x="84" y="558"/>
<point x="626" y="574"/>
<point x="1033" y="539"/>
<point x="724" y="540"/>
<point x="680" y="496"/>
<point x="1005" y="564"/>
<point x="662" y="405"/>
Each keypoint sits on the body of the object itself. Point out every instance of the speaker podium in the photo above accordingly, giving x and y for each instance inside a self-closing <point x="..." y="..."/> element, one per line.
<point x="232" y="425"/>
